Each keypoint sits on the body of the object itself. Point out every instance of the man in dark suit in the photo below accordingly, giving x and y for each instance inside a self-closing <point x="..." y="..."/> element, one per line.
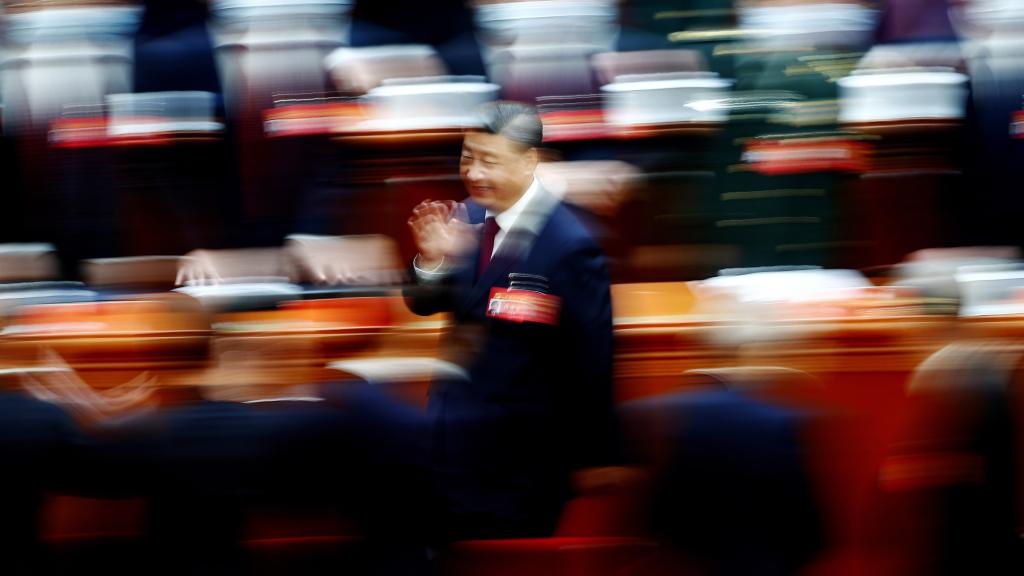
<point x="729" y="489"/>
<point x="36" y="440"/>
<point x="529" y="293"/>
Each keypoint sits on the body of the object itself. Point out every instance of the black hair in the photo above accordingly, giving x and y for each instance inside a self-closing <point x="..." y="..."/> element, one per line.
<point x="513" y="120"/>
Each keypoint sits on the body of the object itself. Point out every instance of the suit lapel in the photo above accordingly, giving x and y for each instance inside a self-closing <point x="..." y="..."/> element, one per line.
<point x="514" y="248"/>
<point x="500" y="263"/>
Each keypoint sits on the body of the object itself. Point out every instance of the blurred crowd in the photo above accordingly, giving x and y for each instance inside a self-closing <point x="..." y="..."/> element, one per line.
<point x="719" y="133"/>
<point x="207" y="364"/>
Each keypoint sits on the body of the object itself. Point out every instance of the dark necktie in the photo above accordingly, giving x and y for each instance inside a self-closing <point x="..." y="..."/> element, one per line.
<point x="487" y="245"/>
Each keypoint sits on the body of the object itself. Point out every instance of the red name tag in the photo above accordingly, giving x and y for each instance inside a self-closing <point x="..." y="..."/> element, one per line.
<point x="523" y="306"/>
<point x="1017" y="124"/>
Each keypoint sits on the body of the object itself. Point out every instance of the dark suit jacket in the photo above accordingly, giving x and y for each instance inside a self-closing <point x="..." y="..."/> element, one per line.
<point x="730" y="488"/>
<point x="538" y="399"/>
<point x="36" y="441"/>
<point x="173" y="49"/>
<point x="202" y="466"/>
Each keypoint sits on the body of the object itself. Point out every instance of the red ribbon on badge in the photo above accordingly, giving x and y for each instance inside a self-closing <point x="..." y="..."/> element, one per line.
<point x="1017" y="124"/>
<point x="523" y="306"/>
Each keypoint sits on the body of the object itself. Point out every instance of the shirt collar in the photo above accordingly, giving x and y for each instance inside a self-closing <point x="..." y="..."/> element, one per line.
<point x="507" y="218"/>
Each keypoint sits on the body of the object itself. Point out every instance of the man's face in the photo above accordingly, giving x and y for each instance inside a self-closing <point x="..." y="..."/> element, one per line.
<point x="495" y="170"/>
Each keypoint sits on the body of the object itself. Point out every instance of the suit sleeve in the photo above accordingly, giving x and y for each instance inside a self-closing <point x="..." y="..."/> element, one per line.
<point x="430" y="297"/>
<point x="587" y="319"/>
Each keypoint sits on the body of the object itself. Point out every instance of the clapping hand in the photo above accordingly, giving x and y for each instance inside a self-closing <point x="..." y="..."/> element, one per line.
<point x="441" y="230"/>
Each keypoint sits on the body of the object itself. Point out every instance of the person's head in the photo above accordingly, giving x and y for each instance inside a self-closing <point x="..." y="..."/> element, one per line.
<point x="499" y="156"/>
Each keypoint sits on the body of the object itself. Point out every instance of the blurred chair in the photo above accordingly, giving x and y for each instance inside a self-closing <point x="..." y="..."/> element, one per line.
<point x="370" y="260"/>
<point x="132" y="272"/>
<point x="29" y="275"/>
<point x="366" y="260"/>
<point x="202" y="267"/>
<point x="28" y="262"/>
<point x="238" y="279"/>
<point x="948" y="485"/>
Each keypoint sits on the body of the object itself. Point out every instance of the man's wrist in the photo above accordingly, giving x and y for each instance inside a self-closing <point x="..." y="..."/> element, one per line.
<point x="427" y="264"/>
<point x="430" y="271"/>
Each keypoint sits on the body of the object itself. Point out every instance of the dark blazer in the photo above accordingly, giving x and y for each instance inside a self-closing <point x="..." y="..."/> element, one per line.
<point x="727" y="467"/>
<point x="538" y="399"/>
<point x="203" y="465"/>
<point x="36" y="443"/>
<point x="173" y="49"/>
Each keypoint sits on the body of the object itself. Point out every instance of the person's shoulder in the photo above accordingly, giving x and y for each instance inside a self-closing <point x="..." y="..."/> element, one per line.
<point x="21" y="413"/>
<point x="568" y="230"/>
<point x="25" y="405"/>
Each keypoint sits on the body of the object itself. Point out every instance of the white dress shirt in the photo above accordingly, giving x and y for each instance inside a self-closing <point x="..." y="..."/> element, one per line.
<point x="507" y="218"/>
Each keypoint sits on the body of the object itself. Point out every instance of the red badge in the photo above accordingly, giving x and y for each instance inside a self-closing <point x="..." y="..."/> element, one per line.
<point x="523" y="306"/>
<point x="1017" y="124"/>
